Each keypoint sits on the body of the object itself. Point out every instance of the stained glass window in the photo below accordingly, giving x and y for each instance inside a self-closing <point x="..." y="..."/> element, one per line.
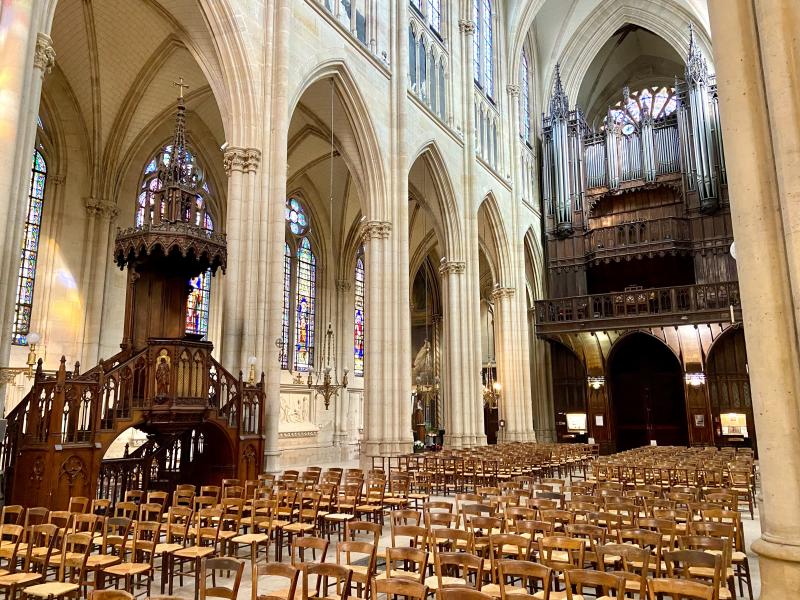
<point x="198" y="302"/>
<point x="30" y="251"/>
<point x="524" y="98"/>
<point x="304" y="307"/>
<point x="483" y="46"/>
<point x="287" y="299"/>
<point x="358" y="330"/>
<point x="299" y="291"/>
<point x="658" y="102"/>
<point x="435" y="14"/>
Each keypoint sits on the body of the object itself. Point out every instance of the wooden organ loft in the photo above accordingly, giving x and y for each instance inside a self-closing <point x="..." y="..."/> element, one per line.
<point x="643" y="310"/>
<point x="202" y="423"/>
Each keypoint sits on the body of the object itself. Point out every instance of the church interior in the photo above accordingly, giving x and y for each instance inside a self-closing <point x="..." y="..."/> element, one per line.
<point x="461" y="299"/>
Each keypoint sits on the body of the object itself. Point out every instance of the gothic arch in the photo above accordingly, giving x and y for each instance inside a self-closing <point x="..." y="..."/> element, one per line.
<point x="497" y="231"/>
<point x="364" y="151"/>
<point x="533" y="248"/>
<point x="628" y="334"/>
<point x="446" y="207"/>
<point x="667" y="19"/>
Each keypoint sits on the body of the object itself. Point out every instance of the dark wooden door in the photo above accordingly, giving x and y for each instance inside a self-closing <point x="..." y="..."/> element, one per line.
<point x="647" y="393"/>
<point x="490" y="424"/>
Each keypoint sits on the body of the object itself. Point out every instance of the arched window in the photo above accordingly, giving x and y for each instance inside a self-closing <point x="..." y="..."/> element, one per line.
<point x="30" y="250"/>
<point x="483" y="46"/>
<point x="299" y="291"/>
<point x="358" y="317"/>
<point x="435" y="15"/>
<point x="199" y="301"/>
<point x="524" y="98"/>
<point x="658" y="102"/>
<point x="412" y="58"/>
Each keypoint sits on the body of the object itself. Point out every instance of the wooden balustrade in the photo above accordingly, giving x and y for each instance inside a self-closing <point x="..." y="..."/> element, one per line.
<point x="635" y="308"/>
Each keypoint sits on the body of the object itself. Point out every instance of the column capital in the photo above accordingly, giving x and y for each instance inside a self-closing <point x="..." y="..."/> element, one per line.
<point x="342" y="285"/>
<point x="376" y="229"/>
<point x="44" y="55"/>
<point x="244" y="160"/>
<point x="466" y="27"/>
<point x="455" y="267"/>
<point x="513" y="90"/>
<point x="499" y="292"/>
<point x="100" y="207"/>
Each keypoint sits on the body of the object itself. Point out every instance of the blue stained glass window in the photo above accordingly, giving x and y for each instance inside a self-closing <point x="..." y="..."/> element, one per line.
<point x="435" y="14"/>
<point x="304" y="307"/>
<point x="483" y="46"/>
<point x="30" y="251"/>
<point x="287" y="299"/>
<point x="358" y="317"/>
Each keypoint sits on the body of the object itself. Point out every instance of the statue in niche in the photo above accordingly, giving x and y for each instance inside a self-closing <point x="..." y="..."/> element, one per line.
<point x="162" y="376"/>
<point x="423" y="361"/>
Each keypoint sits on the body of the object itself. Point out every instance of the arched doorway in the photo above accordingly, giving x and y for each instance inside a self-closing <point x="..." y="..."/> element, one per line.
<point x="569" y="394"/>
<point x="646" y="385"/>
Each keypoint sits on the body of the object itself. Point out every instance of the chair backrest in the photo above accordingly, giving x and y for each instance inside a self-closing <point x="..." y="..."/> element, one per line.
<point x="77" y="547"/>
<point x="209" y="566"/>
<point x="116" y="534"/>
<point x="657" y="588"/>
<point x="450" y="539"/>
<point x="126" y="509"/>
<point x="511" y="545"/>
<point x="327" y="574"/>
<point x="210" y="490"/>
<point x="308" y="549"/>
<point x="43" y="537"/>
<point x="440" y="519"/>
<point x="460" y="565"/>
<point x="12" y="515"/>
<point x="273" y="569"/>
<point x="405" y="517"/>
<point x="409" y="535"/>
<point x="150" y="511"/>
<point x="101" y="507"/>
<point x="373" y="531"/>
<point x="682" y="564"/>
<point x="135" y="496"/>
<point x="145" y="539"/>
<point x="78" y="504"/>
<point x="208" y="522"/>
<point x="533" y="575"/>
<point x="36" y="516"/>
<point x="110" y="595"/>
<point x="606" y="584"/>
<point x="401" y="587"/>
<point x="413" y="561"/>
<point x="179" y="518"/>
<point x="350" y="552"/>
<point x="462" y="593"/>
<point x="158" y="497"/>
<point x="561" y="553"/>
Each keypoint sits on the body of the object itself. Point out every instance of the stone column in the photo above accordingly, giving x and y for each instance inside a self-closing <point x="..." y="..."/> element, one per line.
<point x="756" y="49"/>
<point x="26" y="59"/>
<point x="454" y="365"/>
<point x="101" y="215"/>
<point x="343" y="350"/>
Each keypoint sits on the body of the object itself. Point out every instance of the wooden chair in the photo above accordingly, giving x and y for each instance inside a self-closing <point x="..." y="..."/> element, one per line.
<point x="604" y="584"/>
<point x="351" y="554"/>
<point x="212" y="491"/>
<point x="100" y="507"/>
<point x="371" y="507"/>
<point x="128" y="510"/>
<point x="30" y="573"/>
<point x="71" y="569"/>
<point x="11" y="537"/>
<point x="260" y="535"/>
<point x="135" y="496"/>
<point x="176" y="536"/>
<point x="695" y="565"/>
<point x="277" y="570"/>
<point x="628" y="562"/>
<point x="410" y="535"/>
<point x="448" y="539"/>
<point x="43" y="542"/>
<point x="561" y="553"/>
<point x="455" y="569"/>
<point x="405" y="563"/>
<point x="401" y="587"/>
<point x="110" y="595"/>
<point x="316" y="547"/>
<point x="78" y="504"/>
<point x="145" y="538"/>
<point x="206" y="542"/>
<point x="371" y="531"/>
<point x="533" y="578"/>
<point x="346" y="504"/>
<point x="209" y="567"/>
<point x="13" y="514"/>
<point x="461" y="593"/>
<point x="340" y="578"/>
<point x="677" y="589"/>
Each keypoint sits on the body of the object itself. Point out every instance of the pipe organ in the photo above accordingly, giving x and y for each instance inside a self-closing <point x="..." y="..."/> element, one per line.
<point x="655" y="134"/>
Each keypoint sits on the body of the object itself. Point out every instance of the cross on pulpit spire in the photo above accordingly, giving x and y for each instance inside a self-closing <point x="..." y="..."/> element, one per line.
<point x="180" y="85"/>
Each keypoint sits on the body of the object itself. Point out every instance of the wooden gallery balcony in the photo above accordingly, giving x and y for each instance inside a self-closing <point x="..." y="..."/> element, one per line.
<point x="637" y="307"/>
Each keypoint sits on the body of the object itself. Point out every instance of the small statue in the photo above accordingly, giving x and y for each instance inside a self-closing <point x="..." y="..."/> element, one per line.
<point x="162" y="376"/>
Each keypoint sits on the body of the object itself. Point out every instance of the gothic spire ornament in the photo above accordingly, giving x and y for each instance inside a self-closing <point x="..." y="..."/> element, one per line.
<point x="696" y="66"/>
<point x="559" y="103"/>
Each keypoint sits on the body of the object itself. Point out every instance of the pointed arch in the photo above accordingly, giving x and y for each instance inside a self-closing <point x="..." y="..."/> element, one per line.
<point x="447" y="209"/>
<point x="491" y="211"/>
<point x="362" y="153"/>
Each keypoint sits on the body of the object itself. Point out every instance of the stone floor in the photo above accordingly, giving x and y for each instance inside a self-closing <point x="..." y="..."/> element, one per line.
<point x="752" y="531"/>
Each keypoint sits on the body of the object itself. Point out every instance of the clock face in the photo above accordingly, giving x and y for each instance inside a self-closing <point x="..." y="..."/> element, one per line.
<point x="628" y="128"/>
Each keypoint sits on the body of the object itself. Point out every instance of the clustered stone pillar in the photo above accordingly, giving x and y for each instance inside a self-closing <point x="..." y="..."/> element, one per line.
<point x="454" y="362"/>
<point x="341" y="404"/>
<point x="515" y="405"/>
<point x="756" y="50"/>
<point x="27" y="58"/>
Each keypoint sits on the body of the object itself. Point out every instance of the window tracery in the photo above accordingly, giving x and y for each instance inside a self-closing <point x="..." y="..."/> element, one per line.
<point x="483" y="46"/>
<point x="656" y="102"/>
<point x="524" y="98"/>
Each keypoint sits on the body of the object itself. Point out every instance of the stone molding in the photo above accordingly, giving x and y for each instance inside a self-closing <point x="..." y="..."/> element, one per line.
<point x="245" y="160"/>
<point x="297" y="434"/>
<point x="454" y="267"/>
<point x="466" y="27"/>
<point x="513" y="89"/>
<point x="376" y="230"/>
<point x="499" y="293"/>
<point x="44" y="55"/>
<point x="98" y="207"/>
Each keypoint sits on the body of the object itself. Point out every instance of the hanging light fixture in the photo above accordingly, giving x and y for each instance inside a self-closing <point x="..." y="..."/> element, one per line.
<point x="325" y="381"/>
<point x="491" y="387"/>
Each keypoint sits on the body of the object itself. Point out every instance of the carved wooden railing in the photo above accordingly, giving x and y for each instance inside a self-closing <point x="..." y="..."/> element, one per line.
<point x="639" y="307"/>
<point x="166" y="377"/>
<point x="637" y="237"/>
